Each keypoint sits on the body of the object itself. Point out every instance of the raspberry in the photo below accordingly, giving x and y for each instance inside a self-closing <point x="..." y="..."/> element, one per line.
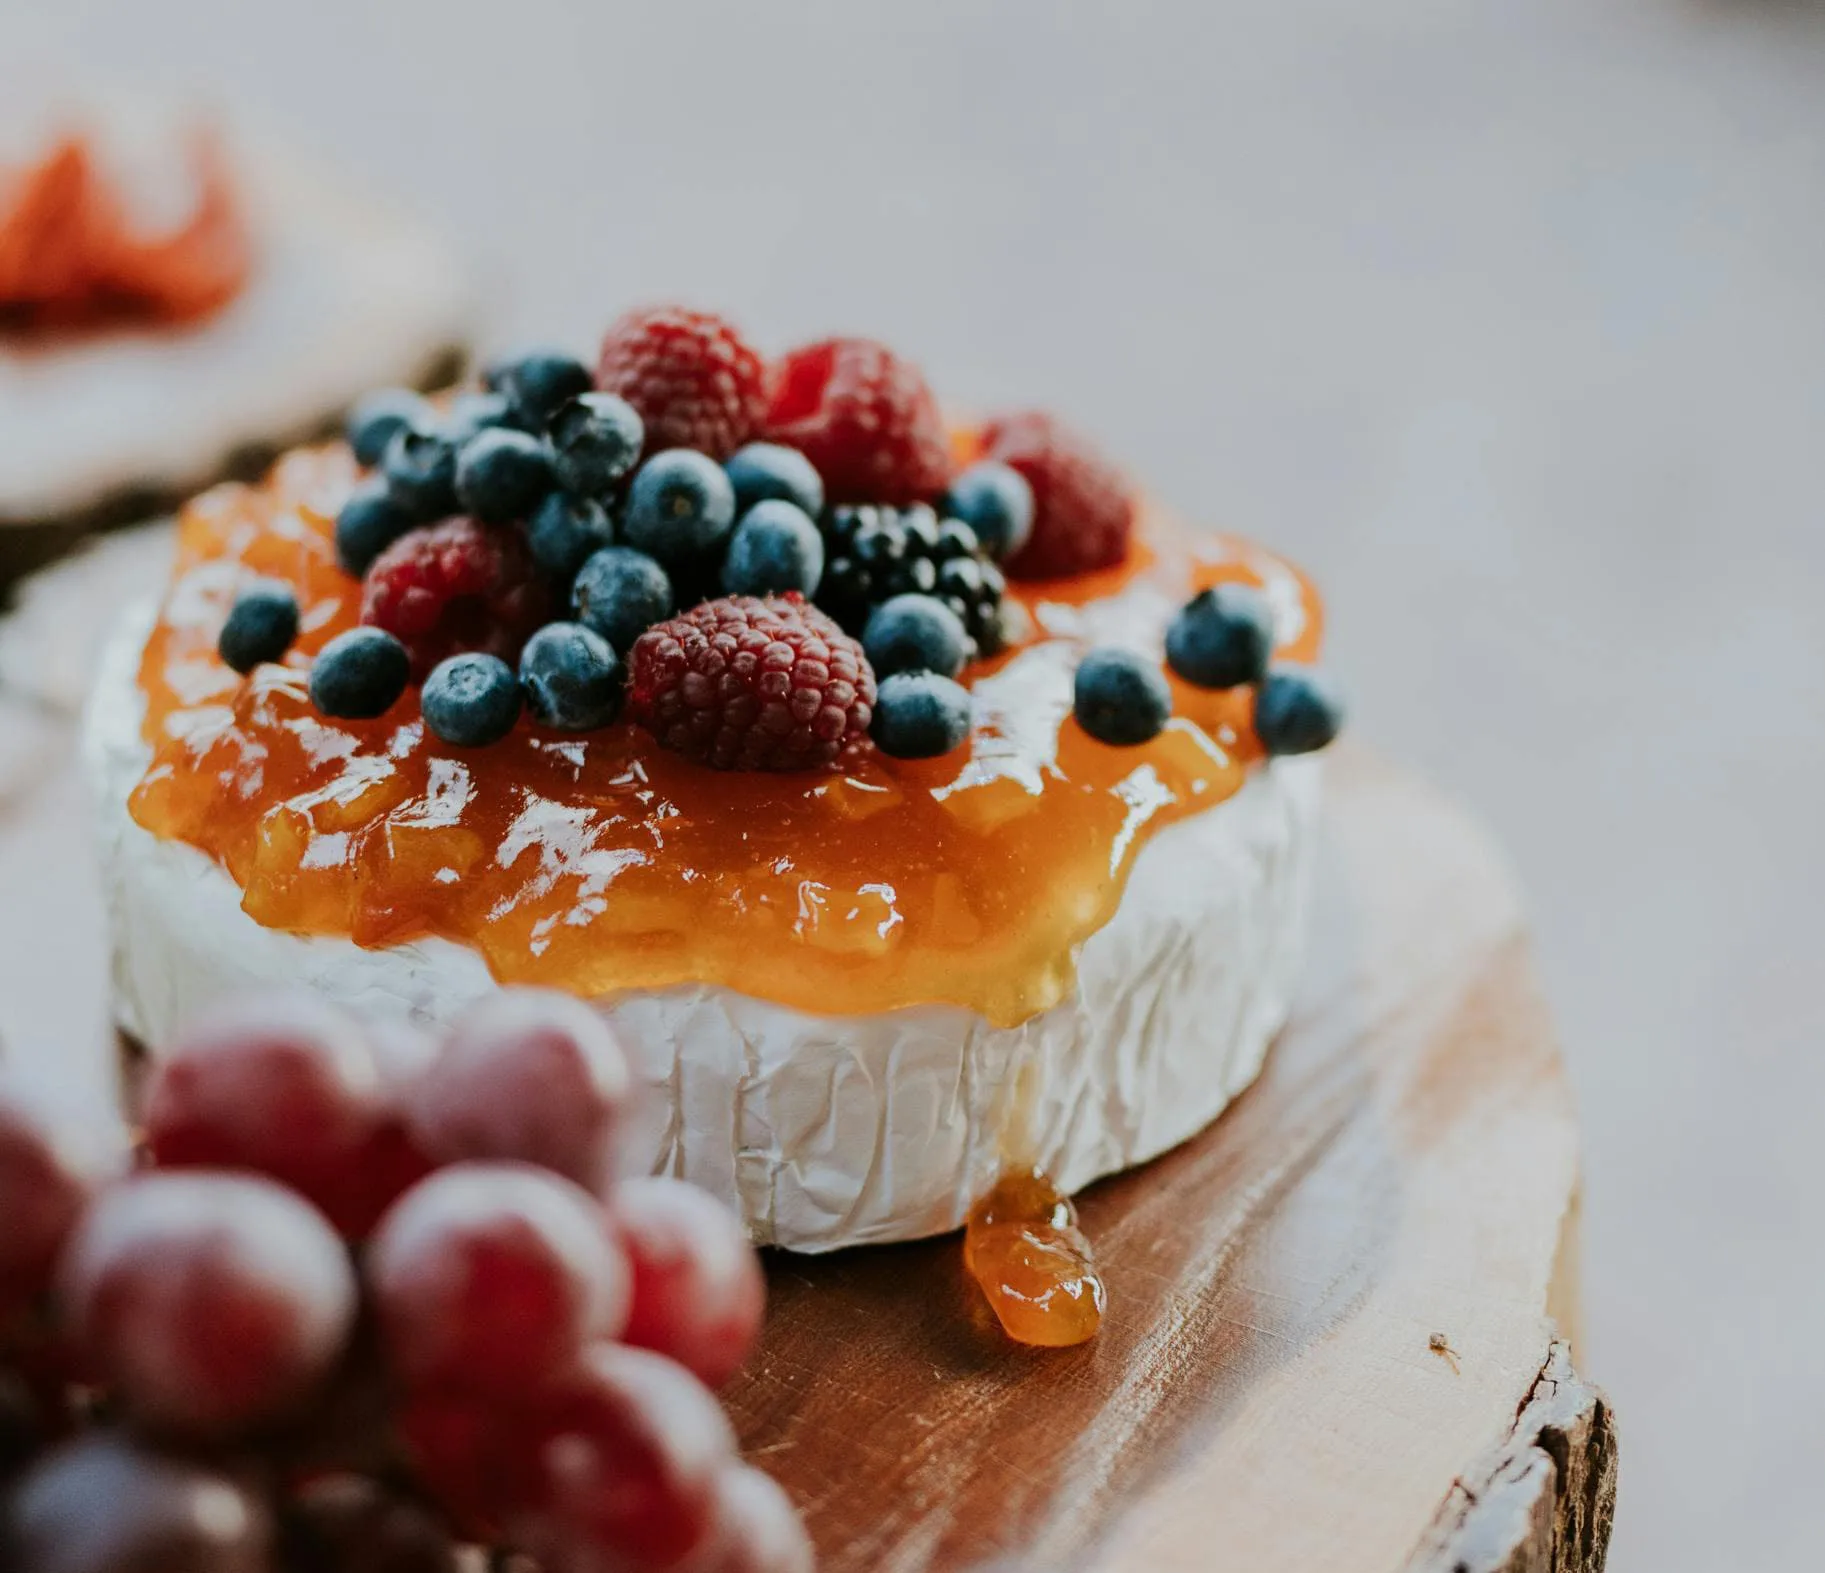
<point x="865" y="418"/>
<point x="743" y="683"/>
<point x="695" y="381"/>
<point x="1083" y="508"/>
<point x="452" y="587"/>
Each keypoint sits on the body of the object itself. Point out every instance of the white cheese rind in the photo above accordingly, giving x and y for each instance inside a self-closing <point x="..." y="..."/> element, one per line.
<point x="821" y="1131"/>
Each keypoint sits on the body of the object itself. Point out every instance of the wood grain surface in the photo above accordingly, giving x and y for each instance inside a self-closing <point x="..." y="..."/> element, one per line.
<point x="1269" y="1391"/>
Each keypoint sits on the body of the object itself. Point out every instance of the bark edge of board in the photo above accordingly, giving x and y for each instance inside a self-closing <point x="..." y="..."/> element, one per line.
<point x="1545" y="1500"/>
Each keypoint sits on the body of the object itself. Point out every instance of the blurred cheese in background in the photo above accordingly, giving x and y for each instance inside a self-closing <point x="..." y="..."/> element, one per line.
<point x="108" y="412"/>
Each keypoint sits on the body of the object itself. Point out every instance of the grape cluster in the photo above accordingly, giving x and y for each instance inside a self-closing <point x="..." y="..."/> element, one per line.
<point x="360" y="1302"/>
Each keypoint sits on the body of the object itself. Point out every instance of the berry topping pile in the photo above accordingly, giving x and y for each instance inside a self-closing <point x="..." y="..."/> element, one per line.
<point x="363" y="1301"/>
<point x="751" y="545"/>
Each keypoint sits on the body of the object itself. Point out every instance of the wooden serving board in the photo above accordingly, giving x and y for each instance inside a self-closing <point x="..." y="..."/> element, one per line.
<point x="1268" y="1392"/>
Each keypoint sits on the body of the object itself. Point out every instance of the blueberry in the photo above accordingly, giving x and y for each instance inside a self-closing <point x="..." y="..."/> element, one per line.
<point x="597" y="437"/>
<point x="919" y="715"/>
<point x="261" y="626"/>
<point x="765" y="471"/>
<point x="1222" y="638"/>
<point x="471" y="414"/>
<point x="914" y="633"/>
<point x="359" y="674"/>
<point x="996" y="502"/>
<point x="775" y="548"/>
<point x="370" y="521"/>
<point x="420" y="468"/>
<point x="538" y="383"/>
<point x="1121" y="697"/>
<point x="501" y="476"/>
<point x="565" y="532"/>
<point x="378" y="418"/>
<point x="572" y="677"/>
<point x="621" y="593"/>
<point x="1297" y="711"/>
<point x="471" y="700"/>
<point x="680" y="504"/>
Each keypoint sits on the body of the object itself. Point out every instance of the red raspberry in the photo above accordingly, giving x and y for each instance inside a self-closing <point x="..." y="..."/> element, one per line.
<point x="865" y="418"/>
<point x="1083" y="507"/>
<point x="743" y="683"/>
<point x="452" y="587"/>
<point x="695" y="380"/>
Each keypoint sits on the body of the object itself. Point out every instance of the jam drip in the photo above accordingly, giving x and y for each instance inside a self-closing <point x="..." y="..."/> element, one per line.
<point x="1024" y="1248"/>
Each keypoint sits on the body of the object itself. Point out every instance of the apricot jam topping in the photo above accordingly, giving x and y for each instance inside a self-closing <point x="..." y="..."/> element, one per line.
<point x="600" y="862"/>
<point x="1023" y="1247"/>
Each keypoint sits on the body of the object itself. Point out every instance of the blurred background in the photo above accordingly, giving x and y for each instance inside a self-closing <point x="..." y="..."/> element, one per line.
<point x="1508" y="319"/>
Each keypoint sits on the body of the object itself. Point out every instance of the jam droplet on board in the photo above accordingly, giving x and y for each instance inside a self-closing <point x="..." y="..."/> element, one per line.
<point x="1024" y="1248"/>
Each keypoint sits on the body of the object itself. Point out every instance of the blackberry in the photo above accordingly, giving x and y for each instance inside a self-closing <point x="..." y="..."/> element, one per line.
<point x="874" y="553"/>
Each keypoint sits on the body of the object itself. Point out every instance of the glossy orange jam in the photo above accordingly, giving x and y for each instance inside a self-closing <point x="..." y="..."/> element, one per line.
<point x="601" y="862"/>
<point x="1023" y="1247"/>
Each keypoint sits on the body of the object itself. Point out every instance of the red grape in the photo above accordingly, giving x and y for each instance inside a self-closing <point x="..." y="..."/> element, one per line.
<point x="351" y="1524"/>
<point x="532" y="1076"/>
<point x="393" y="1161"/>
<point x="52" y="1159"/>
<point x="288" y="1088"/>
<point x="209" y="1301"/>
<point x="20" y="1428"/>
<point x="493" y="1276"/>
<point x="103" y="1505"/>
<point x="629" y="1451"/>
<point x="757" y="1528"/>
<point x="465" y="1451"/>
<point x="699" y="1293"/>
<point x="403" y="1055"/>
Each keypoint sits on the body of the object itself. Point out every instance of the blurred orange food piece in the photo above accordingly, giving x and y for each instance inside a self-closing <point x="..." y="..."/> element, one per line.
<point x="72" y="255"/>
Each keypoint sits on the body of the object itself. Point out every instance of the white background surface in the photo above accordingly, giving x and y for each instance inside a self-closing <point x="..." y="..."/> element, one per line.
<point x="1508" y="317"/>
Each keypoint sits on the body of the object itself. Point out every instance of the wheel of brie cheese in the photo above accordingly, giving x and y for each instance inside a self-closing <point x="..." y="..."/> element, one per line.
<point x="857" y="990"/>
